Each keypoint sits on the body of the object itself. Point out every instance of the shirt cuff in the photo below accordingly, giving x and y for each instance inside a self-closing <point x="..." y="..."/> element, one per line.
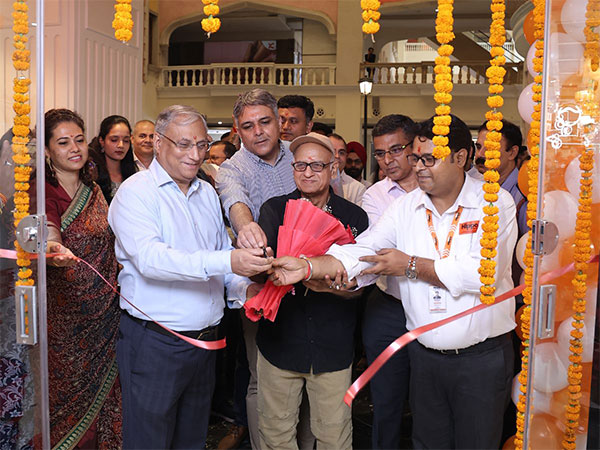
<point x="218" y="263"/>
<point x="352" y="265"/>
<point x="236" y="291"/>
<point x="451" y="273"/>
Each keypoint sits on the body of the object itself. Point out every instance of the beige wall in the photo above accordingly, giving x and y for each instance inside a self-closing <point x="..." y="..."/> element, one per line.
<point x="317" y="45"/>
<point x="86" y="68"/>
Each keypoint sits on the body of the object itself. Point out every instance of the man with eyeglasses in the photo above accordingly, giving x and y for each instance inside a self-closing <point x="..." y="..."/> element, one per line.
<point x="177" y="261"/>
<point x="261" y="169"/>
<point x="310" y="343"/>
<point x="352" y="190"/>
<point x="461" y="373"/>
<point x="384" y="318"/>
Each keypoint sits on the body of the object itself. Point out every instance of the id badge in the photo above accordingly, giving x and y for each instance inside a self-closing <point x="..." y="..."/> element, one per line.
<point x="437" y="299"/>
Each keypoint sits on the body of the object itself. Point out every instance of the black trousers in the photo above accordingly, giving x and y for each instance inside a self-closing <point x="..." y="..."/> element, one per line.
<point x="384" y="321"/>
<point x="458" y="400"/>
<point x="167" y="387"/>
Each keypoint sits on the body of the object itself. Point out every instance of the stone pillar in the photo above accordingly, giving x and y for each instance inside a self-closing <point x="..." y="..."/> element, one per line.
<point x="349" y="46"/>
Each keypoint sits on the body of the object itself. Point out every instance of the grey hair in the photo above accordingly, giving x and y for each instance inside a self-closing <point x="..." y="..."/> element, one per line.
<point x="255" y="97"/>
<point x="182" y="114"/>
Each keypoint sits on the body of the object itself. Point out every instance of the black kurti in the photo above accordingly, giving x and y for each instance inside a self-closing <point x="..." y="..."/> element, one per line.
<point x="312" y="329"/>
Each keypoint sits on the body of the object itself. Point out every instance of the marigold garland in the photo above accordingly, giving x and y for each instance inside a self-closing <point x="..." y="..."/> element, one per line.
<point x="21" y="122"/>
<point x="443" y="78"/>
<point x="533" y="173"/>
<point x="211" y="24"/>
<point x="495" y="74"/>
<point x="592" y="38"/>
<point x="370" y="16"/>
<point x="123" y="23"/>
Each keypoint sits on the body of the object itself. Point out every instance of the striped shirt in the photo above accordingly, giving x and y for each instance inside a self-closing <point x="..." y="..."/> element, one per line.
<point x="246" y="178"/>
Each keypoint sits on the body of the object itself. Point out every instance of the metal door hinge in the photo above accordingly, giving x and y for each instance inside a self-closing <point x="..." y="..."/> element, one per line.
<point x="544" y="237"/>
<point x="31" y="233"/>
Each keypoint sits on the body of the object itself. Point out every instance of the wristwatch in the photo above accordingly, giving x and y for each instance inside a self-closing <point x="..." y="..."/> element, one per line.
<point x="411" y="270"/>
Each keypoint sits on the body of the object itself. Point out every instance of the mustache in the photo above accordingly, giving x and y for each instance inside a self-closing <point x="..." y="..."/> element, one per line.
<point x="479" y="161"/>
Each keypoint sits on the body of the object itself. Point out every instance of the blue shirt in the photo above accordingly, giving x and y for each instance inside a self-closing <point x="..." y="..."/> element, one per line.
<point x="511" y="184"/>
<point x="175" y="251"/>
<point x="246" y="178"/>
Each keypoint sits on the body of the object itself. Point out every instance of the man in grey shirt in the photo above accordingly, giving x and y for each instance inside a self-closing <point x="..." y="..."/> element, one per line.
<point x="260" y="170"/>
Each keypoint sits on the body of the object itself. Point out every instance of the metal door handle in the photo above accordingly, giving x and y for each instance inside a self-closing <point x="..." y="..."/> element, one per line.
<point x="546" y="311"/>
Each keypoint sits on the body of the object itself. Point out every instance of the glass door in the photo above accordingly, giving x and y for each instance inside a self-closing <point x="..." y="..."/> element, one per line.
<point x="23" y="351"/>
<point x="564" y="315"/>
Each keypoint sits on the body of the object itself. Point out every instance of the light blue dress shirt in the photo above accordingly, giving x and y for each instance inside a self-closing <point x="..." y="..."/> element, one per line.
<point x="246" y="178"/>
<point x="175" y="251"/>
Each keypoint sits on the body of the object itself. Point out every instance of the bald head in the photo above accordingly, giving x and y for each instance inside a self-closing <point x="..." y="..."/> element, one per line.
<point x="142" y="140"/>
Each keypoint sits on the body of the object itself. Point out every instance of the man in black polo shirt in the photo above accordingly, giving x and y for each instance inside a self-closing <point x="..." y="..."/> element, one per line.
<point x="312" y="339"/>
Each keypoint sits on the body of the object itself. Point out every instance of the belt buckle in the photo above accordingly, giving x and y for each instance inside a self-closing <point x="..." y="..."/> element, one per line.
<point x="449" y="352"/>
<point x="203" y="333"/>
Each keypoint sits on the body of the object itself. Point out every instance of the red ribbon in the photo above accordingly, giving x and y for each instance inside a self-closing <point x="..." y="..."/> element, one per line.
<point x="206" y="345"/>
<point x="410" y="336"/>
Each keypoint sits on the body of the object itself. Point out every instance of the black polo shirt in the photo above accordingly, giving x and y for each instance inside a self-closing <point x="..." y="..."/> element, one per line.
<point x="312" y="329"/>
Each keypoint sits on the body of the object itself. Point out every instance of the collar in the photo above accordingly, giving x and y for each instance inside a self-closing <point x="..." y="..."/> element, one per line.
<point x="162" y="178"/>
<point x="468" y="197"/>
<point x="391" y="185"/>
<point x="283" y="148"/>
<point x="511" y="180"/>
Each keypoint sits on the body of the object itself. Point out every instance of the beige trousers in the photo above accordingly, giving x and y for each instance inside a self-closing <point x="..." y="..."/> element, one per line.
<point x="279" y="398"/>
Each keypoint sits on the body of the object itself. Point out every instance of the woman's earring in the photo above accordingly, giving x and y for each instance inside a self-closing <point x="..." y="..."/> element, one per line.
<point x="49" y="162"/>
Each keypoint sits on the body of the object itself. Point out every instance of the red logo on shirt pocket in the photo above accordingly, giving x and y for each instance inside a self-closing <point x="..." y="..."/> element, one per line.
<point x="468" y="227"/>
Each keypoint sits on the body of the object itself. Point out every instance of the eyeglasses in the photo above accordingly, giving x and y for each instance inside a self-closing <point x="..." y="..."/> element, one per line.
<point x="428" y="159"/>
<point x="186" y="145"/>
<point x="394" y="151"/>
<point x="316" y="166"/>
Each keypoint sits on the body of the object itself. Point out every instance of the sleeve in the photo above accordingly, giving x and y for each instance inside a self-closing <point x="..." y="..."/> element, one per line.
<point x="231" y="189"/>
<point x="53" y="210"/>
<point x="136" y="221"/>
<point x="369" y="204"/>
<point x="382" y="235"/>
<point x="461" y="275"/>
<point x="522" y="219"/>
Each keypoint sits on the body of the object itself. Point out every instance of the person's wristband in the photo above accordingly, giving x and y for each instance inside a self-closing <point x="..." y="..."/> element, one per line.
<point x="310" y="268"/>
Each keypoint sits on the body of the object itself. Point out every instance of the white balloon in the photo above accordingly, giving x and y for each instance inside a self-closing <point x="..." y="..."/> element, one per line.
<point x="541" y="400"/>
<point x="564" y="336"/>
<point x="520" y="250"/>
<point x="572" y="17"/>
<point x="566" y="55"/>
<point x="525" y="103"/>
<point x="551" y="261"/>
<point x="529" y="60"/>
<point x="549" y="369"/>
<point x="560" y="207"/>
<point x="573" y="176"/>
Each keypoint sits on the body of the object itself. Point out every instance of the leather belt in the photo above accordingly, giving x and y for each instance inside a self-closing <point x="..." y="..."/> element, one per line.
<point x="204" y="334"/>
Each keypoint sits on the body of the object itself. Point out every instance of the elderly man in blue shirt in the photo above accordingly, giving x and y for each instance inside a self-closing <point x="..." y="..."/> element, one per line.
<point x="177" y="261"/>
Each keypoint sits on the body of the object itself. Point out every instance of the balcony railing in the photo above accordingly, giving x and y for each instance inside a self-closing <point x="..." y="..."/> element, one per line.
<point x="244" y="74"/>
<point x="272" y="74"/>
<point x="463" y="72"/>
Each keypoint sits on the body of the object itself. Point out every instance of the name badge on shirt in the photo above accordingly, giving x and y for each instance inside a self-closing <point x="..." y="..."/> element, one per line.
<point x="468" y="227"/>
<point x="437" y="299"/>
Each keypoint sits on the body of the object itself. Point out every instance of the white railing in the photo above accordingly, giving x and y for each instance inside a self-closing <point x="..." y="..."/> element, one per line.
<point x="463" y="72"/>
<point x="244" y="74"/>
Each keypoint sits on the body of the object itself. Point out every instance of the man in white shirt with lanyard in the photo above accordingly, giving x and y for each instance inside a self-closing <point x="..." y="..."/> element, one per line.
<point x="384" y="318"/>
<point x="460" y="373"/>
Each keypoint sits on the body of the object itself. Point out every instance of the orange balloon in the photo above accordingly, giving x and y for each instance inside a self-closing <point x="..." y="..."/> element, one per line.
<point x="523" y="180"/>
<point x="557" y="408"/>
<point x="566" y="255"/>
<point x="543" y="433"/>
<point x="528" y="28"/>
<point x="518" y="320"/>
<point x="564" y="297"/>
<point x="595" y="234"/>
<point x="510" y="443"/>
